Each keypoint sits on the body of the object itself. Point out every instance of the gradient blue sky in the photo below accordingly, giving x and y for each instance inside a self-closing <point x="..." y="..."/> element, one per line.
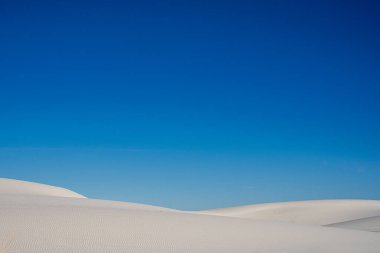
<point x="193" y="104"/>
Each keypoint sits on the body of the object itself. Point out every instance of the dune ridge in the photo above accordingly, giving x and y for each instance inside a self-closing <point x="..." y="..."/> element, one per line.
<point x="371" y="224"/>
<point x="313" y="212"/>
<point x="19" y="187"/>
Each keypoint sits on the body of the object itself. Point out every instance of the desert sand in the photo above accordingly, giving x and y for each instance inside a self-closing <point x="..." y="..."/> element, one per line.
<point x="316" y="212"/>
<point x="44" y="219"/>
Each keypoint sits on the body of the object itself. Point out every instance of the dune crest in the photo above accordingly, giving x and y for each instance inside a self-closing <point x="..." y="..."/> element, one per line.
<point x="371" y="224"/>
<point x="19" y="187"/>
<point x="313" y="212"/>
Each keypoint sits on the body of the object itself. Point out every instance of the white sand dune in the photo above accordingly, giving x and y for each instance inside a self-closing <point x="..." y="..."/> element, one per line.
<point x="314" y="212"/>
<point x="44" y="223"/>
<point x="18" y="187"/>
<point x="371" y="224"/>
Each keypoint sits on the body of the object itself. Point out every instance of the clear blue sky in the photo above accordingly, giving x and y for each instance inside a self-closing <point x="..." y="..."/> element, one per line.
<point x="193" y="104"/>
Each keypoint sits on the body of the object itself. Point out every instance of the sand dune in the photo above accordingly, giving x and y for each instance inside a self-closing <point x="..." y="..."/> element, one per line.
<point x="18" y="187"/>
<point x="44" y="223"/>
<point x="371" y="224"/>
<point x="316" y="212"/>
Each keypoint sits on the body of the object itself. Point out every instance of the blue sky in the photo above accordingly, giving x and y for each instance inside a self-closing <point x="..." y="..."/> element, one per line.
<point x="192" y="105"/>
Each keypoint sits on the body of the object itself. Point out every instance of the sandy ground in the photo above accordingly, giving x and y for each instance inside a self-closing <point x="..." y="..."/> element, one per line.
<point x="39" y="218"/>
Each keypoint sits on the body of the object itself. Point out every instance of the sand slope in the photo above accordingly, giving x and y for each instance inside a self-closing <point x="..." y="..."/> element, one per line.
<point x="18" y="187"/>
<point x="316" y="212"/>
<point x="371" y="224"/>
<point x="45" y="224"/>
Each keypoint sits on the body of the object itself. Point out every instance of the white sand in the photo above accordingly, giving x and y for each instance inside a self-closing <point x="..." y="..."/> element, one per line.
<point x="18" y="187"/>
<point x="371" y="224"/>
<point x="315" y="212"/>
<point x="48" y="222"/>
